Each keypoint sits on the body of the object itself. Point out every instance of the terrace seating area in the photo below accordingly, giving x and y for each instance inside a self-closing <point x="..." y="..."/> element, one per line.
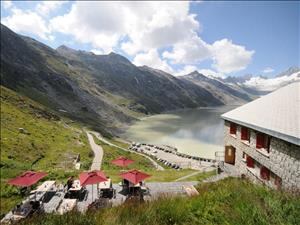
<point x="92" y="190"/>
<point x="58" y="199"/>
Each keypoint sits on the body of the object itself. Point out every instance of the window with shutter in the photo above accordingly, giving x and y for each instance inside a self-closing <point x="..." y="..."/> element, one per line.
<point x="232" y="128"/>
<point x="265" y="173"/>
<point x="278" y="181"/>
<point x="260" y="140"/>
<point x="250" y="162"/>
<point x="245" y="134"/>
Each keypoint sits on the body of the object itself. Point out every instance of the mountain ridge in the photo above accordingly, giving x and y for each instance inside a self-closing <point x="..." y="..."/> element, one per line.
<point x="104" y="91"/>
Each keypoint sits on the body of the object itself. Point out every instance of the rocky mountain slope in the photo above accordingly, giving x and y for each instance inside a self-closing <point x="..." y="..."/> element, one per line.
<point x="104" y="91"/>
<point x="228" y="94"/>
<point x="148" y="91"/>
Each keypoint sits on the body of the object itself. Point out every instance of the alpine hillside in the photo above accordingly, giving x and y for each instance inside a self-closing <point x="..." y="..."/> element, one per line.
<point x="104" y="91"/>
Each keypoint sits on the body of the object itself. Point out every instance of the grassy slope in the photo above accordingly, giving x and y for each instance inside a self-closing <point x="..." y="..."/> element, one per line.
<point x="231" y="201"/>
<point x="200" y="176"/>
<point x="47" y="139"/>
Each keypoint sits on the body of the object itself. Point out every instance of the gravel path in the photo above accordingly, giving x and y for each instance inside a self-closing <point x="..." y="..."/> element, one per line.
<point x="157" y="166"/>
<point x="98" y="153"/>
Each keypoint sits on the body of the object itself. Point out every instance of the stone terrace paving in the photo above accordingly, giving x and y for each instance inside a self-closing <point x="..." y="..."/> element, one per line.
<point x="155" y="188"/>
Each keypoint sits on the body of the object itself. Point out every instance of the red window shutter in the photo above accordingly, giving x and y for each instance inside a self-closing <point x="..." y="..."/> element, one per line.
<point x="265" y="173"/>
<point x="232" y="128"/>
<point x="244" y="133"/>
<point x="268" y="174"/>
<point x="250" y="162"/>
<point x="260" y="140"/>
<point x="278" y="181"/>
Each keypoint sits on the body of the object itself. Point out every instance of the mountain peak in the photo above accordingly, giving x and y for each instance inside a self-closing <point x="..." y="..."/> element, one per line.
<point x="289" y="71"/>
<point x="117" y="57"/>
<point x="64" y="47"/>
<point x="196" y="74"/>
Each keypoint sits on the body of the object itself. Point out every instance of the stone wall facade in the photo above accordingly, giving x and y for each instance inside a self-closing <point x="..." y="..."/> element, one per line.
<point x="283" y="159"/>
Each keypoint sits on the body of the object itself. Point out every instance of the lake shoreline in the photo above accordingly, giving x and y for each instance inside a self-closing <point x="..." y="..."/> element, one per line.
<point x="196" y="132"/>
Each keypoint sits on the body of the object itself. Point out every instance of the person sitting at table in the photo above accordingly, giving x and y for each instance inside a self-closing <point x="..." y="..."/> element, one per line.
<point x="126" y="183"/>
<point x="70" y="182"/>
<point x="16" y="209"/>
<point x="35" y="205"/>
<point x="24" y="191"/>
<point x="110" y="182"/>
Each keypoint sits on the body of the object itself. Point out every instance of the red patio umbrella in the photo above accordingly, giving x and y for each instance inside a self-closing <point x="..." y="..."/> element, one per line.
<point x="27" y="178"/>
<point x="92" y="177"/>
<point x="122" y="161"/>
<point x="134" y="176"/>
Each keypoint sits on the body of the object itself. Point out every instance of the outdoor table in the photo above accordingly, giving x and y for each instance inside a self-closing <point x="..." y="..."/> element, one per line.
<point x="144" y="189"/>
<point x="106" y="190"/>
<point x="131" y="185"/>
<point x="75" y="190"/>
<point x="41" y="190"/>
<point x="22" y="212"/>
<point x="105" y="184"/>
<point x="54" y="203"/>
<point x="66" y="206"/>
<point x="76" y="186"/>
<point x="46" y="186"/>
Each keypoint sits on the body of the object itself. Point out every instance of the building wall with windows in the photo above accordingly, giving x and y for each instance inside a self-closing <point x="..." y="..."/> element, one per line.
<point x="262" y="158"/>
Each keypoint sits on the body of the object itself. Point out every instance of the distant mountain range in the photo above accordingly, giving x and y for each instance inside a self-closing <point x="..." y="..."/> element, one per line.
<point x="107" y="91"/>
<point x="262" y="85"/>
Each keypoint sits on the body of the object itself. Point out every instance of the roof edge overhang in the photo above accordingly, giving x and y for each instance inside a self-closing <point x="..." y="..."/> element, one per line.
<point x="285" y="137"/>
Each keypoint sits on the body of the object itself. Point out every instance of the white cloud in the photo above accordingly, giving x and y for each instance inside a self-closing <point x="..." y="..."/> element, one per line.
<point x="45" y="7"/>
<point x="152" y="59"/>
<point x="169" y="23"/>
<point x="229" y="57"/>
<point x="97" y="51"/>
<point x="190" y="50"/>
<point x="7" y="4"/>
<point x="98" y="23"/>
<point x="268" y="70"/>
<point x="27" y="22"/>
<point x="146" y="25"/>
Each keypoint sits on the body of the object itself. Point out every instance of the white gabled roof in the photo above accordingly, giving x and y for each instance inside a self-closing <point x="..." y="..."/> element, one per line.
<point x="276" y="114"/>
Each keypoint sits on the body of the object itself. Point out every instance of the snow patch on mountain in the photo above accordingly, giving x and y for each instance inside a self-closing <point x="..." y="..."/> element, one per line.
<point x="271" y="84"/>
